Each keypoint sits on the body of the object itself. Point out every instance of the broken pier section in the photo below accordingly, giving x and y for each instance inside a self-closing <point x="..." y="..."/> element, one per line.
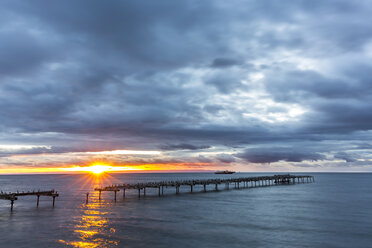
<point x="14" y="196"/>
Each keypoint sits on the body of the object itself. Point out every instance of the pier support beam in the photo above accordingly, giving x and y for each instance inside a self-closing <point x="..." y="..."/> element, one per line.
<point x="11" y="205"/>
<point x="87" y="198"/>
<point x="205" y="187"/>
<point x="54" y="200"/>
<point x="139" y="193"/>
<point x="115" y="195"/>
<point x="99" y="194"/>
<point x="123" y="193"/>
<point x="37" y="201"/>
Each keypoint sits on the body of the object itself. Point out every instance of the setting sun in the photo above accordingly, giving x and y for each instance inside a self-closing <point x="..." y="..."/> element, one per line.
<point x="98" y="169"/>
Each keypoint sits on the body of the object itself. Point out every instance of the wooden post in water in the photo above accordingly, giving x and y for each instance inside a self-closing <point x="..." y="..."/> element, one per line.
<point x="99" y="194"/>
<point x="205" y="188"/>
<point x="216" y="186"/>
<point x="159" y="191"/>
<point x="87" y="197"/>
<point x="144" y="191"/>
<point x="54" y="200"/>
<point x="37" y="201"/>
<point x="123" y="193"/>
<point x="11" y="205"/>
<point x="139" y="192"/>
<point x="191" y="188"/>
<point x="115" y="195"/>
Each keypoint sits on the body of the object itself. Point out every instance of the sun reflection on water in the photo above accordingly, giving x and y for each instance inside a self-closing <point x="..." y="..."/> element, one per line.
<point x="91" y="227"/>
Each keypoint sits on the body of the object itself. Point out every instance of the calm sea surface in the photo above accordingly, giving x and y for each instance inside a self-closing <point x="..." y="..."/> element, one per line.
<point x="335" y="211"/>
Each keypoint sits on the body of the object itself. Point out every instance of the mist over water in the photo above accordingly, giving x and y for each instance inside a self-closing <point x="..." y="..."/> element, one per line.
<point x="335" y="211"/>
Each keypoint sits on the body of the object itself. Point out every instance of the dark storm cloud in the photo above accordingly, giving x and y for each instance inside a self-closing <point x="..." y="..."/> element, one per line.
<point x="276" y="154"/>
<point x="345" y="156"/>
<point x="363" y="146"/>
<point x="225" y="62"/>
<point x="142" y="74"/>
<point x="184" y="147"/>
<point x="225" y="83"/>
<point x="225" y="158"/>
<point x="46" y="150"/>
<point x="20" y="52"/>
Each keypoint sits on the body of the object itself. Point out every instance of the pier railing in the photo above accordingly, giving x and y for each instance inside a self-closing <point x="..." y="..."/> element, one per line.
<point x="246" y="181"/>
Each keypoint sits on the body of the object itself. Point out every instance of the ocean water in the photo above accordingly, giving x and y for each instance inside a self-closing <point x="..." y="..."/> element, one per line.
<point x="335" y="211"/>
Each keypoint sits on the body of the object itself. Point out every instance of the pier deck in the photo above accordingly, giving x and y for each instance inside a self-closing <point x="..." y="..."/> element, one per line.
<point x="14" y="196"/>
<point x="246" y="181"/>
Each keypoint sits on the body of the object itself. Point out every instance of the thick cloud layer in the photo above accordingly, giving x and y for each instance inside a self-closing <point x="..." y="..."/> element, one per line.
<point x="232" y="83"/>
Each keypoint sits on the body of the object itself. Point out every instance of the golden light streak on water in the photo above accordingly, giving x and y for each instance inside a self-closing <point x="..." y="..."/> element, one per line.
<point x="91" y="226"/>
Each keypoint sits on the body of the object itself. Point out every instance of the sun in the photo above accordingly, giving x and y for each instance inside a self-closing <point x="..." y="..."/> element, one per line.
<point x="98" y="169"/>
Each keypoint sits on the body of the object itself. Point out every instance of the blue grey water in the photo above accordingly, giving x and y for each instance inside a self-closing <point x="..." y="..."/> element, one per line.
<point x="335" y="211"/>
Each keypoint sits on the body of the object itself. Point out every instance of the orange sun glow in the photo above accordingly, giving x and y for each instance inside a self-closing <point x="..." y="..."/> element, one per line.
<point x="98" y="169"/>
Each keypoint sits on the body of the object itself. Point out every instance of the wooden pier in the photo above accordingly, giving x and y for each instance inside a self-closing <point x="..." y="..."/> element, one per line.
<point x="242" y="182"/>
<point x="14" y="196"/>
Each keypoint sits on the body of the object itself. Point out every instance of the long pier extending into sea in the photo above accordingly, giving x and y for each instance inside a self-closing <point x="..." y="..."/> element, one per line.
<point x="14" y="196"/>
<point x="241" y="182"/>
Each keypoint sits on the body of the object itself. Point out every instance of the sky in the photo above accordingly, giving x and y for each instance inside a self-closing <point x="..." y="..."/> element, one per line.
<point x="244" y="85"/>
